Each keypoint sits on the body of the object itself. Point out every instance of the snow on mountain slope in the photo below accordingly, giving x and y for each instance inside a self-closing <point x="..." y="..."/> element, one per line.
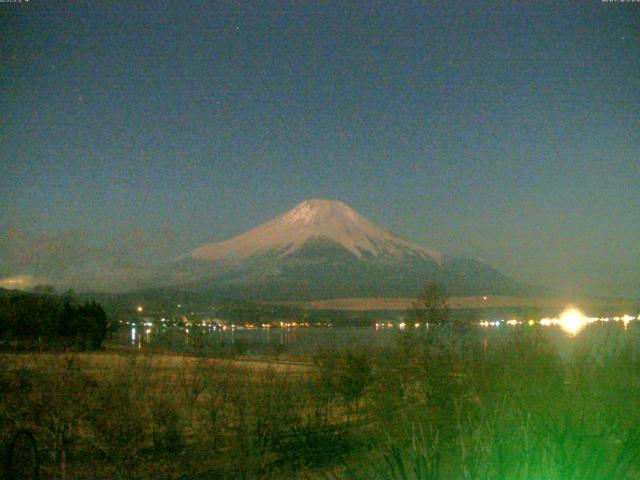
<point x="311" y="219"/>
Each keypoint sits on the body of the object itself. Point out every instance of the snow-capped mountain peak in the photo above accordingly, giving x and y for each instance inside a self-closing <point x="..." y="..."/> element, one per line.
<point x="332" y="220"/>
<point x="318" y="210"/>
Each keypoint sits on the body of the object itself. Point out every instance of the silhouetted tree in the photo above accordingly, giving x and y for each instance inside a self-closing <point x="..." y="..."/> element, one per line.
<point x="353" y="377"/>
<point x="431" y="306"/>
<point x="49" y="319"/>
<point x="44" y="289"/>
<point x="98" y="322"/>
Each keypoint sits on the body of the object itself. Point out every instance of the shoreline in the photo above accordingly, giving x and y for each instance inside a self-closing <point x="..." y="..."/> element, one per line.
<point x="459" y="303"/>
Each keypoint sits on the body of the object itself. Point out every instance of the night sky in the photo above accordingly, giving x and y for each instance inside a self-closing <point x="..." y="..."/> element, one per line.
<point x="131" y="132"/>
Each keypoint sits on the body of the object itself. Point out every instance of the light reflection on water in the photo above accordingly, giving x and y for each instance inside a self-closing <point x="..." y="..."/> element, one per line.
<point x="252" y="341"/>
<point x="303" y="341"/>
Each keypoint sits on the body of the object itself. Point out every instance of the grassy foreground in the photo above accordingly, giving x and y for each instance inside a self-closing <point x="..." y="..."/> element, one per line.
<point x="439" y="404"/>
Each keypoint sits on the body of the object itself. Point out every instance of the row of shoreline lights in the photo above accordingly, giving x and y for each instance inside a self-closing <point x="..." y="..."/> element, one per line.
<point x="571" y="320"/>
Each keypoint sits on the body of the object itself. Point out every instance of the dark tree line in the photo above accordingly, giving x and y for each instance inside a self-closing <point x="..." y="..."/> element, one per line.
<point x="50" y="320"/>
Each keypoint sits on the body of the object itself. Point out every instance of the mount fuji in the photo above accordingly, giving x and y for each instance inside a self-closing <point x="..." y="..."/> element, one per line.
<point x="324" y="249"/>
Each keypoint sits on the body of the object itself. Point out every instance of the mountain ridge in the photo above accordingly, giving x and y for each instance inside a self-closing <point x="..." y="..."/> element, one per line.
<point x="323" y="249"/>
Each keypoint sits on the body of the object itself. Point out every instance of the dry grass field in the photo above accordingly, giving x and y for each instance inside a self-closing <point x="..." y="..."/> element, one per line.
<point x="108" y="361"/>
<point x="432" y="404"/>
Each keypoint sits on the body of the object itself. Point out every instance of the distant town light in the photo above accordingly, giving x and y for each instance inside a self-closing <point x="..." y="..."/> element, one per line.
<point x="572" y="321"/>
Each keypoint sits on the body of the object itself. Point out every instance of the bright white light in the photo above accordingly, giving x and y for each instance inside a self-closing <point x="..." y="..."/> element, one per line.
<point x="572" y="321"/>
<point x="626" y="319"/>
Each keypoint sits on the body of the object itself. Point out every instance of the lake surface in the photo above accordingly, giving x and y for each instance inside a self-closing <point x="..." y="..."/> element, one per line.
<point x="602" y="337"/>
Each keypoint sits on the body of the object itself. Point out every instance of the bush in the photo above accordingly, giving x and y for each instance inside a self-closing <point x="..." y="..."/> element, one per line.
<point x="513" y="410"/>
